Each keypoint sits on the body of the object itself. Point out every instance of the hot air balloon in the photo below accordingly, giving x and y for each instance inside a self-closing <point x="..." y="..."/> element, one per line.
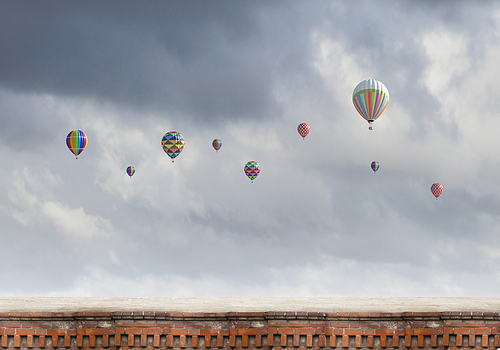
<point x="76" y="142"/>
<point x="173" y="144"/>
<point x="375" y="166"/>
<point x="436" y="189"/>
<point x="130" y="171"/>
<point x="217" y="144"/>
<point x="303" y="130"/>
<point x="370" y="98"/>
<point x="252" y="169"/>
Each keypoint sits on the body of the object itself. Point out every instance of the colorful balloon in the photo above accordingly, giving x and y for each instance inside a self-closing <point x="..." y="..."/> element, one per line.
<point x="217" y="144"/>
<point x="375" y="166"/>
<point x="370" y="98"/>
<point x="252" y="169"/>
<point x="76" y="142"/>
<point x="173" y="144"/>
<point x="303" y="130"/>
<point x="130" y="171"/>
<point x="436" y="189"/>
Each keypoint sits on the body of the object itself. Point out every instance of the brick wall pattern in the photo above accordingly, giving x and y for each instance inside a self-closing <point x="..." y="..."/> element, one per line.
<point x="252" y="330"/>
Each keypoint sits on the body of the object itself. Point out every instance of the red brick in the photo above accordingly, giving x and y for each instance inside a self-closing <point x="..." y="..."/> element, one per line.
<point x="194" y="341"/>
<point x="356" y="331"/>
<point x="220" y="341"/>
<point x="423" y="331"/>
<point x="309" y="340"/>
<point x="22" y="331"/>
<point x="357" y="341"/>
<point x="182" y="341"/>
<point x="383" y="341"/>
<point x="17" y="341"/>
<point x="480" y="331"/>
<point x="258" y="341"/>
<point x="369" y="342"/>
<point x="345" y="341"/>
<point x="461" y="330"/>
<point x="255" y="331"/>
<point x="29" y="341"/>
<point x="303" y="331"/>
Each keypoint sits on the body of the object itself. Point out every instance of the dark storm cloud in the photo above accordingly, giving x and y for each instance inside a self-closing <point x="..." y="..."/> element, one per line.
<point x="210" y="59"/>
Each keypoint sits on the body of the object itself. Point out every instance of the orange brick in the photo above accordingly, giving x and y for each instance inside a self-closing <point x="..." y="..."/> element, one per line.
<point x="395" y="341"/>
<point x="484" y="341"/>
<point x="17" y="341"/>
<point x="182" y="341"/>
<point x="383" y="341"/>
<point x="29" y="341"/>
<point x="480" y="331"/>
<point x="220" y="341"/>
<point x="357" y="341"/>
<point x="369" y="341"/>
<point x="258" y="341"/>
<point x="309" y="340"/>
<point x="345" y="341"/>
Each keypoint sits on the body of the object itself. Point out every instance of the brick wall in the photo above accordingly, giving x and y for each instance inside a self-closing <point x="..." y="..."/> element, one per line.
<point x="250" y="330"/>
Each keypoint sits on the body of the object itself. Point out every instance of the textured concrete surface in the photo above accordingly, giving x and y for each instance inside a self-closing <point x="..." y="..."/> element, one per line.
<point x="64" y="304"/>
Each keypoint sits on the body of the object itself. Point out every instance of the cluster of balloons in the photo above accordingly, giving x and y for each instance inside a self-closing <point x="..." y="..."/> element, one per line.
<point x="370" y="98"/>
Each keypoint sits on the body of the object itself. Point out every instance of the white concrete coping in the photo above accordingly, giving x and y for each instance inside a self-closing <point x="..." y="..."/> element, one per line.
<point x="209" y="305"/>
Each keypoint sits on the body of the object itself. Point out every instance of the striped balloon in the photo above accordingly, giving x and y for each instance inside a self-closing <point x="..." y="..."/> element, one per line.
<point x="217" y="144"/>
<point x="76" y="142"/>
<point x="375" y="166"/>
<point x="173" y="144"/>
<point x="130" y="171"/>
<point x="370" y="98"/>
<point x="436" y="189"/>
<point x="303" y="129"/>
<point x="252" y="169"/>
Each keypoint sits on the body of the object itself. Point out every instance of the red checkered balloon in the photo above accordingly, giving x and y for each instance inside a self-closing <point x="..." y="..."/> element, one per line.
<point x="303" y="129"/>
<point x="436" y="189"/>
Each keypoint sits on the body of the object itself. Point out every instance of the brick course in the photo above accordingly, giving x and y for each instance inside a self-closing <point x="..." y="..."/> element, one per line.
<point x="250" y="330"/>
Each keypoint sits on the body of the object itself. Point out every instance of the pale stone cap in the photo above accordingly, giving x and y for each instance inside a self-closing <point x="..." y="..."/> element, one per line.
<point x="207" y="305"/>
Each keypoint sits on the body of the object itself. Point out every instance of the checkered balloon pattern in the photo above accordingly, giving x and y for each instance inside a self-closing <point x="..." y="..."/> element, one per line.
<point x="173" y="144"/>
<point x="436" y="189"/>
<point x="252" y="169"/>
<point x="303" y="129"/>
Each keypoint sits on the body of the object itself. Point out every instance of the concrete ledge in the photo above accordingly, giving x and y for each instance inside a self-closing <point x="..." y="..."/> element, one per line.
<point x="224" y="305"/>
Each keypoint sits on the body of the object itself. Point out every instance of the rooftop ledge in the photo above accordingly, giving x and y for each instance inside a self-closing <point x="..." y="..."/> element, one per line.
<point x="254" y="304"/>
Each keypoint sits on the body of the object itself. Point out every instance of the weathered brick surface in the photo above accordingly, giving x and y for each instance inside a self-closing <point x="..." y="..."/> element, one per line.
<point x="247" y="330"/>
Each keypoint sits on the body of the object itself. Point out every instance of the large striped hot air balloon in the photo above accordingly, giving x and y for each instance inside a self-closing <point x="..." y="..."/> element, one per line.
<point x="252" y="169"/>
<point x="173" y="144"/>
<point x="370" y="98"/>
<point x="76" y="142"/>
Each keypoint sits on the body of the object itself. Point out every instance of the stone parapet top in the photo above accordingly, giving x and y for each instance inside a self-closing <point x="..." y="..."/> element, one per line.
<point x="341" y="307"/>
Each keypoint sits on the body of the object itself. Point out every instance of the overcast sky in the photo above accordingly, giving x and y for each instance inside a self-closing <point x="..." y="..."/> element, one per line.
<point x="317" y="221"/>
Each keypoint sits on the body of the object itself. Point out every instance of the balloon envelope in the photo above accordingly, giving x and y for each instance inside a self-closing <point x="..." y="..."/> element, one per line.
<point x="173" y="144"/>
<point x="303" y="129"/>
<point x="375" y="166"/>
<point x="130" y="171"/>
<point x="217" y="144"/>
<point x="252" y="169"/>
<point x="76" y="142"/>
<point x="370" y="98"/>
<point x="436" y="189"/>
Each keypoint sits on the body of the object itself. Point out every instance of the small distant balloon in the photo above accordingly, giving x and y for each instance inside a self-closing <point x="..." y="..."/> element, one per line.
<point x="303" y="129"/>
<point x="375" y="166"/>
<point x="217" y="144"/>
<point x="76" y="142"/>
<point x="370" y="98"/>
<point x="436" y="189"/>
<point x="252" y="169"/>
<point x="173" y="144"/>
<point x="130" y="171"/>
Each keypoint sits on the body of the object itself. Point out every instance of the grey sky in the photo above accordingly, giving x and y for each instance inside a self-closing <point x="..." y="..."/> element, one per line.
<point x="317" y="221"/>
